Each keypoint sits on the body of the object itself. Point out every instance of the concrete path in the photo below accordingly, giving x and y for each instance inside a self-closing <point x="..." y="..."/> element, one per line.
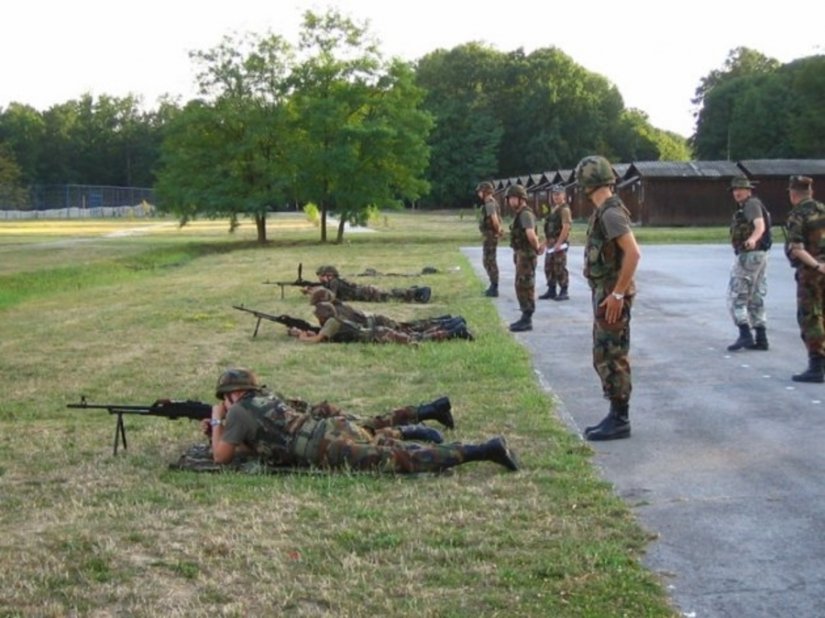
<point x="726" y="464"/>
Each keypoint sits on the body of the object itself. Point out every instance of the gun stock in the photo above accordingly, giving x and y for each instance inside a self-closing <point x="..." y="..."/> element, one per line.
<point x="284" y="319"/>
<point x="173" y="410"/>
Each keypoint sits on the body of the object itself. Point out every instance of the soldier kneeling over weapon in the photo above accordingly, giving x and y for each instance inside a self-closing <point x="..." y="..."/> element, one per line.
<point x="250" y="420"/>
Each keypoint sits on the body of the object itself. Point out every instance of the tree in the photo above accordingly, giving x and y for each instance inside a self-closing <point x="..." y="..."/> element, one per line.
<point x="461" y="86"/>
<point x="12" y="193"/>
<point x="741" y="62"/>
<point x="229" y="154"/>
<point x="360" y="136"/>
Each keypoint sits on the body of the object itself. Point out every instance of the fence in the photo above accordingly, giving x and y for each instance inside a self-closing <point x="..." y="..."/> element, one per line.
<point x="76" y="201"/>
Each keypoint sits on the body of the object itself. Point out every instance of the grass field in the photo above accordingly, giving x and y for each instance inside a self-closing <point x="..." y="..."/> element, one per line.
<point x="128" y="312"/>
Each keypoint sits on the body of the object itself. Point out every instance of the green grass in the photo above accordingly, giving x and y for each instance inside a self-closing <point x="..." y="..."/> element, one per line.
<point x="131" y="319"/>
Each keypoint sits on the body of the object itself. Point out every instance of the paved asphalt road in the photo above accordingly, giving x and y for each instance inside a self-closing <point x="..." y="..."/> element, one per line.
<point x="726" y="462"/>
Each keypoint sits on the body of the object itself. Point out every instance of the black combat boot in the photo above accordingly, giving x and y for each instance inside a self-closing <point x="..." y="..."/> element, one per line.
<point x="550" y="293"/>
<point x="460" y="331"/>
<point x="815" y="371"/>
<point x="614" y="426"/>
<point x="525" y="322"/>
<point x="421" y="433"/>
<point x="761" y="342"/>
<point x="438" y="410"/>
<point x="494" y="450"/>
<point x="745" y="339"/>
<point x="492" y="291"/>
<point x="422" y="294"/>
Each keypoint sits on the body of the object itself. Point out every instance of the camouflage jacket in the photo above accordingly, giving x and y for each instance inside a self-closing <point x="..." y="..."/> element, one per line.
<point x="806" y="226"/>
<point x="602" y="255"/>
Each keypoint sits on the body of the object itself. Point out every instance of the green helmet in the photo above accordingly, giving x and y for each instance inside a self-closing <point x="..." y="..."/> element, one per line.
<point x="321" y="295"/>
<point x="485" y="186"/>
<point x="327" y="270"/>
<point x="594" y="171"/>
<point x="236" y="379"/>
<point x="558" y="189"/>
<point x="517" y="191"/>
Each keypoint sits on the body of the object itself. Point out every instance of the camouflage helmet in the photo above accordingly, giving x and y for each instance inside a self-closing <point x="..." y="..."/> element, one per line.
<point x="517" y="191"/>
<point x="558" y="188"/>
<point x="236" y="379"/>
<point x="594" y="171"/>
<point x="327" y="270"/>
<point x="801" y="184"/>
<point x="485" y="186"/>
<point x="321" y="295"/>
<point x="325" y="311"/>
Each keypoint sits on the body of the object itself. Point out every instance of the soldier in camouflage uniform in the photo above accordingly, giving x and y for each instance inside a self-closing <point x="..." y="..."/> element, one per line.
<point x="248" y="419"/>
<point x="345" y="290"/>
<point x="557" y="226"/>
<point x="349" y="313"/>
<point x="526" y="245"/>
<point x="805" y="247"/>
<point x="610" y="259"/>
<point x="750" y="235"/>
<point x="491" y="229"/>
<point x="335" y="329"/>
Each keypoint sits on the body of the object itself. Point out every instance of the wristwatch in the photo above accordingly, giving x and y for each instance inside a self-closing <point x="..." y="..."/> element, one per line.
<point x="216" y="422"/>
<point x="617" y="296"/>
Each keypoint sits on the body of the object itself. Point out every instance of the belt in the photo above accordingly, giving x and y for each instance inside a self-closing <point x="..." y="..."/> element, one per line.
<point x="308" y="438"/>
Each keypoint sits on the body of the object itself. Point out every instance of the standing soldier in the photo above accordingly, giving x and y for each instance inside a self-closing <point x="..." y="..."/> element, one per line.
<point x="491" y="229"/>
<point x="805" y="247"/>
<point x="610" y="260"/>
<point x="556" y="233"/>
<point x="525" y="244"/>
<point x="750" y="235"/>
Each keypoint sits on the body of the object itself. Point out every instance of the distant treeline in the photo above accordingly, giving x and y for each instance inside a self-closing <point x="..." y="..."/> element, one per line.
<point x="492" y="114"/>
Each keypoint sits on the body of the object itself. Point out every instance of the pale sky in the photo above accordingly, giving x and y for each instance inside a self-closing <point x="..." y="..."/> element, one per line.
<point x="655" y="52"/>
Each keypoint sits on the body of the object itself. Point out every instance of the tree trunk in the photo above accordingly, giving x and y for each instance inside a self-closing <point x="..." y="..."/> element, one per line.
<point x="341" y="225"/>
<point x="323" y="222"/>
<point x="260" y="225"/>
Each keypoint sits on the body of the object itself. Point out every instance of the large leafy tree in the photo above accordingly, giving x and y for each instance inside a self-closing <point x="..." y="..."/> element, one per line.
<point x="227" y="154"/>
<point x="461" y="87"/>
<point x="360" y="136"/>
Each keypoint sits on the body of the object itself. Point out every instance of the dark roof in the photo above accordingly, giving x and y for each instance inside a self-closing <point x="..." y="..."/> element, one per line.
<point x="685" y="169"/>
<point x="783" y="167"/>
<point x="621" y="169"/>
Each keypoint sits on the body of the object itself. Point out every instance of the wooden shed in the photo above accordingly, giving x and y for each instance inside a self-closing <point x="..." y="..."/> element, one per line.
<point x="771" y="176"/>
<point x="679" y="192"/>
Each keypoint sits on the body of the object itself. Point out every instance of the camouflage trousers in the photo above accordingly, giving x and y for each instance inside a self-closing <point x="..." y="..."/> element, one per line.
<point x="488" y="253"/>
<point x="810" y="298"/>
<point x="611" y="347"/>
<point x="555" y="269"/>
<point x="344" y="444"/>
<point x="369" y="294"/>
<point x="748" y="287"/>
<point x="525" y="280"/>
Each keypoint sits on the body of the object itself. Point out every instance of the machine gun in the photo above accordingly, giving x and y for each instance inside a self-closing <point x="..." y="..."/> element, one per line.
<point x="299" y="282"/>
<point x="167" y="408"/>
<point x="284" y="319"/>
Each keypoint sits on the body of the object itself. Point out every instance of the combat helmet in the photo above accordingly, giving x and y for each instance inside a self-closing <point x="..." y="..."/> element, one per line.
<point x="594" y="171"/>
<point x="321" y="295"/>
<point x="236" y="379"/>
<point x="485" y="186"/>
<point x="517" y="191"/>
<point x="327" y="270"/>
